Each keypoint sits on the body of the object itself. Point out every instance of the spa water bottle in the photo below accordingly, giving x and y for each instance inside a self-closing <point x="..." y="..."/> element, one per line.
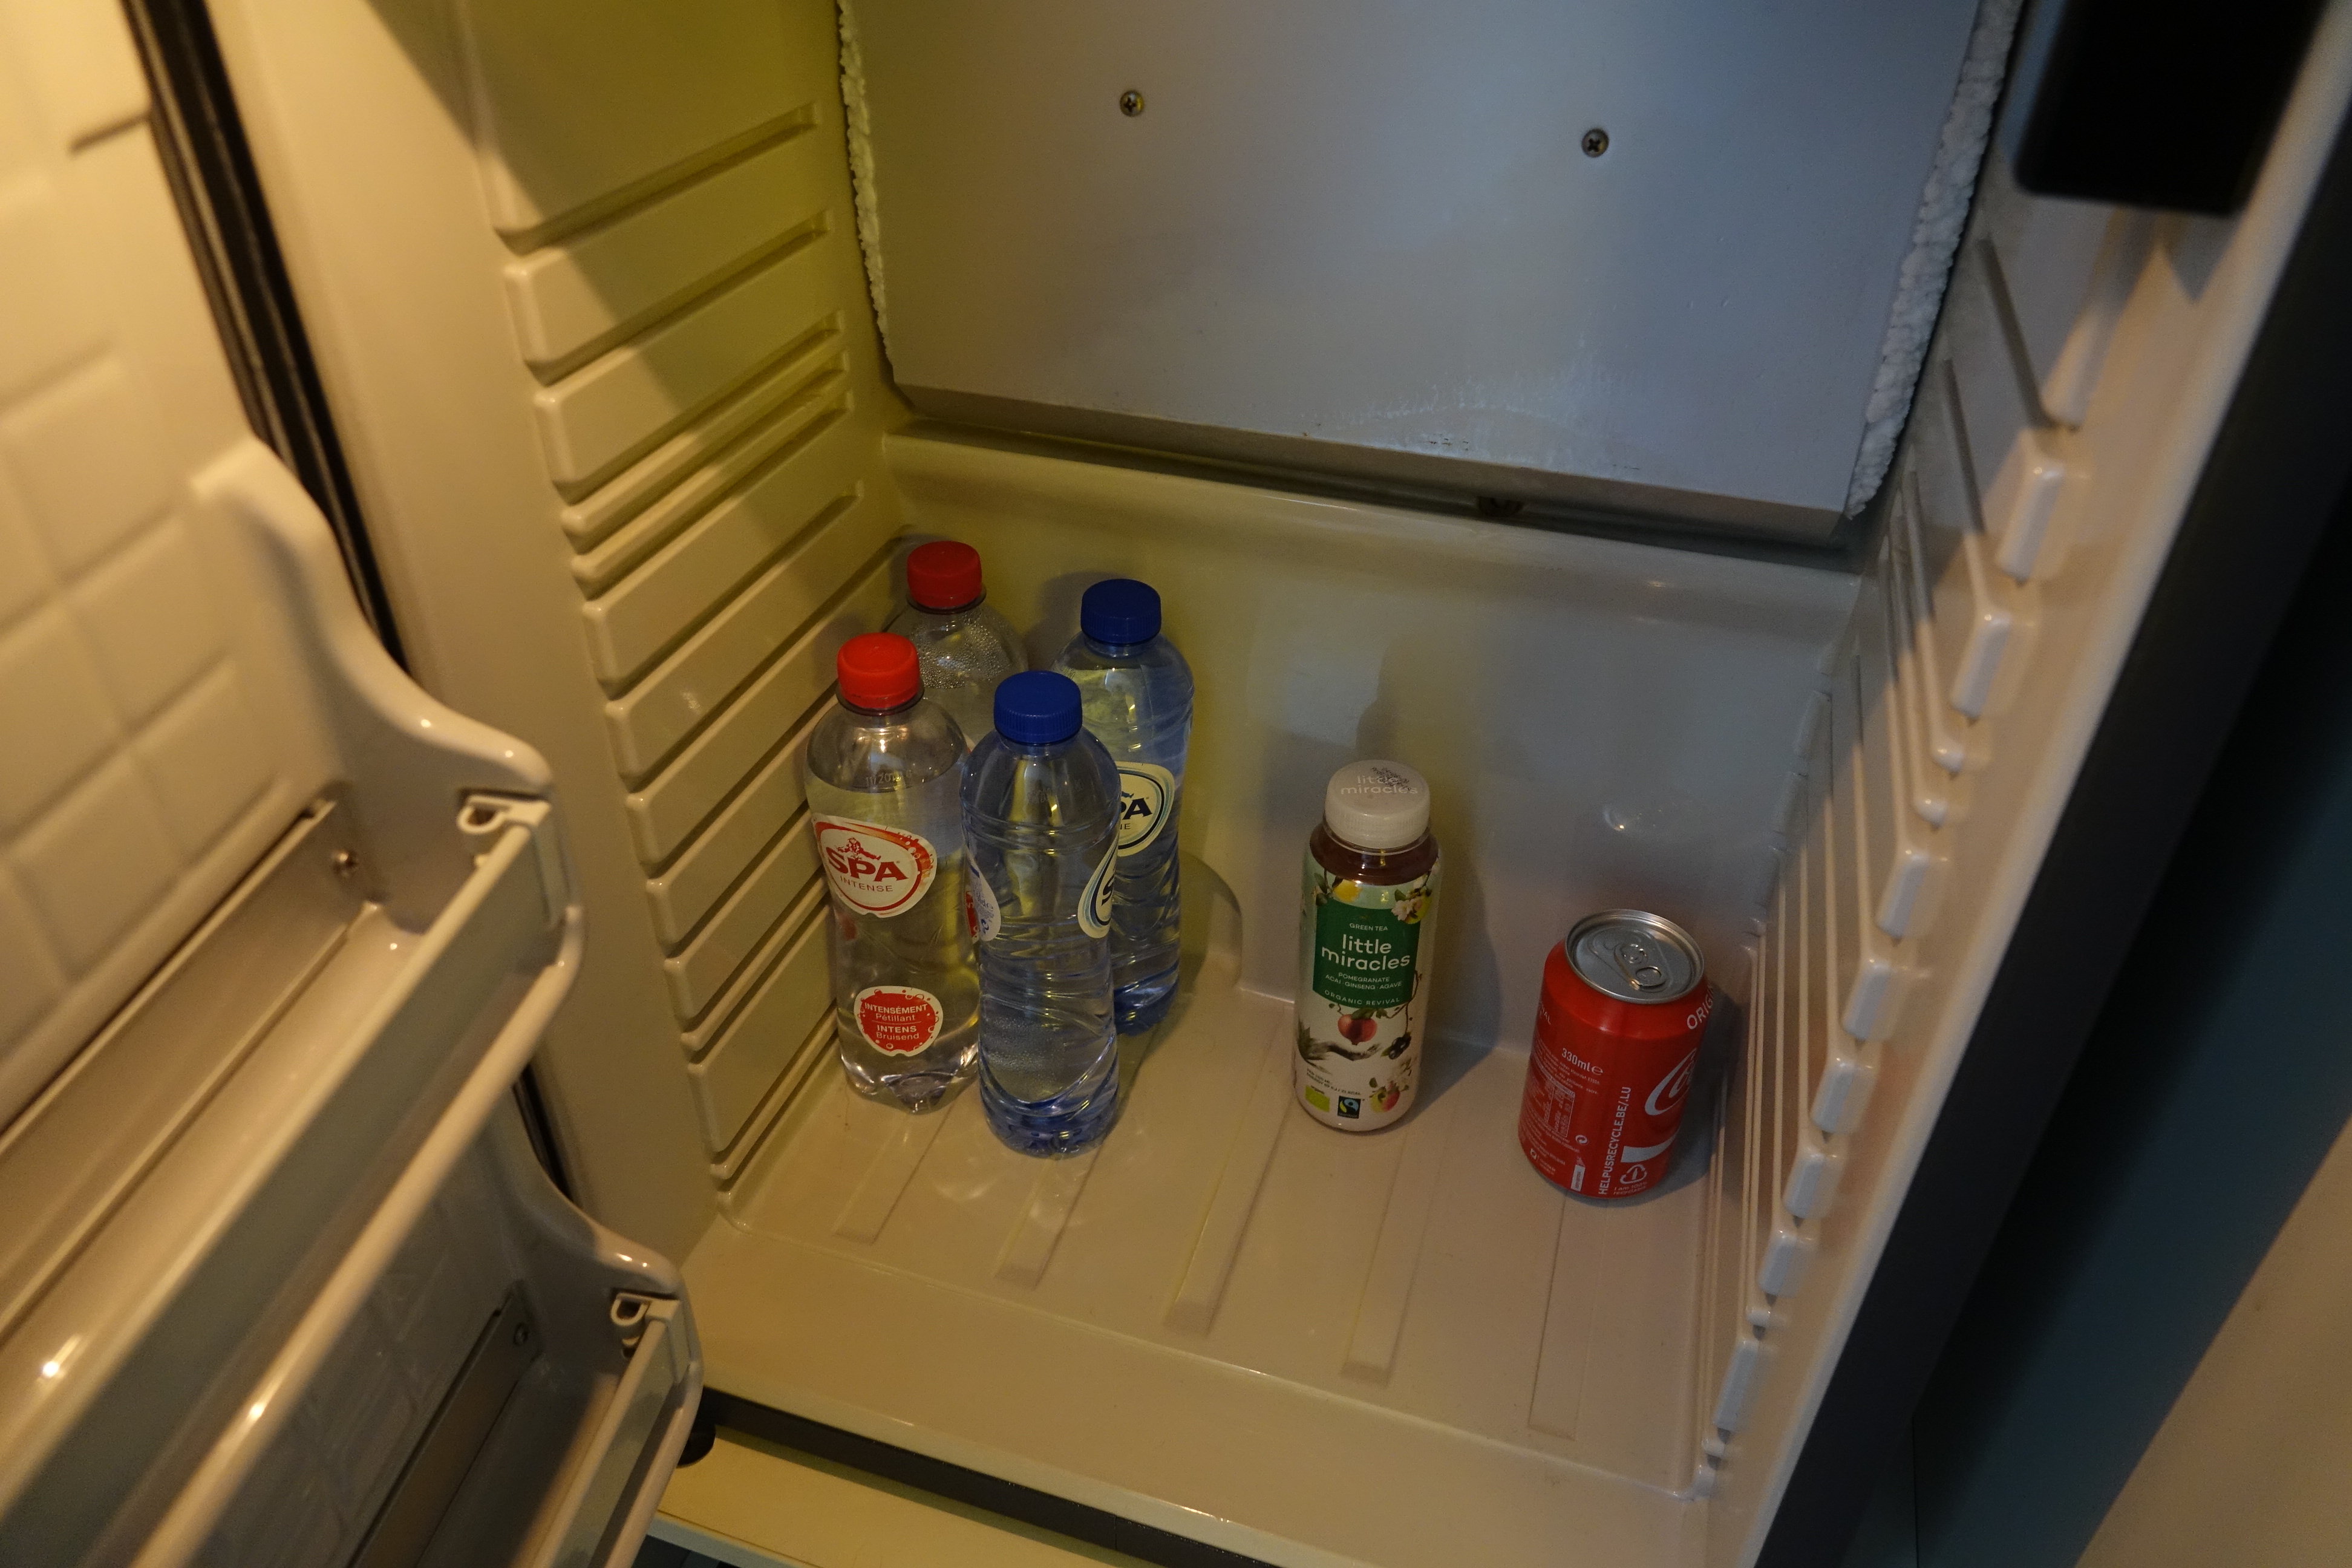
<point x="965" y="644"/>
<point x="1040" y="819"/>
<point x="1138" y="703"/>
<point x="884" y="779"/>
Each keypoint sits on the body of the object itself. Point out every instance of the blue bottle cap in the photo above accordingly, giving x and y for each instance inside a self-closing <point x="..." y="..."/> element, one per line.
<point x="1036" y="707"/>
<point x="1120" y="611"/>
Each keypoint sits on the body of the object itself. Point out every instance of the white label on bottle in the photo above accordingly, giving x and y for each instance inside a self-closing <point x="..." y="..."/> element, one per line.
<point x="1094" y="904"/>
<point x="980" y="911"/>
<point x="874" y="869"/>
<point x="1146" y="794"/>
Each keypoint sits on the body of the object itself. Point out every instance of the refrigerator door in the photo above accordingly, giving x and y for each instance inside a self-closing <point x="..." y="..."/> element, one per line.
<point x="280" y="1281"/>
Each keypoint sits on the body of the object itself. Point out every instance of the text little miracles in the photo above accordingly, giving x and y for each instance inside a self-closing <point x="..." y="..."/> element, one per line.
<point x="1369" y="955"/>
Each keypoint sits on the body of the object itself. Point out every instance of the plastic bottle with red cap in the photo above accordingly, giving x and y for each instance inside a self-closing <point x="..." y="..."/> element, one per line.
<point x="884" y="777"/>
<point x="965" y="646"/>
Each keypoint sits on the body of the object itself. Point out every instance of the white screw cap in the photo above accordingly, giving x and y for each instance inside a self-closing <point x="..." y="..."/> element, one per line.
<point x="1377" y="805"/>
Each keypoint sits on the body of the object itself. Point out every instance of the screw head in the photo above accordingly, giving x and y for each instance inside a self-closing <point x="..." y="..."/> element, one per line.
<point x="1596" y="142"/>
<point x="1130" y="104"/>
<point x="522" y="1333"/>
<point x="344" y="862"/>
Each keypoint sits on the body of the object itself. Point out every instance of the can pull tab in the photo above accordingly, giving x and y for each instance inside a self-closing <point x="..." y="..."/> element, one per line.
<point x="1639" y="967"/>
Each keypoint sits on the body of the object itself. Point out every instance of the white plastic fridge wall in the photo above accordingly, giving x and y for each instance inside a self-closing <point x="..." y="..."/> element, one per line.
<point x="1236" y="1323"/>
<point x="1602" y="723"/>
<point x="2080" y="372"/>
<point x="583" y="287"/>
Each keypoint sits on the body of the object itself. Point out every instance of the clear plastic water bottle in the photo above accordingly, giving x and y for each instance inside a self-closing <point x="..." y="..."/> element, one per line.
<point x="1138" y="703"/>
<point x="966" y="647"/>
<point x="1041" y="819"/>
<point x="885" y="778"/>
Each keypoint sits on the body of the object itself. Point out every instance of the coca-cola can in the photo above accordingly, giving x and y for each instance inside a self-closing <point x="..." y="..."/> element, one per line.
<point x="1625" y="1000"/>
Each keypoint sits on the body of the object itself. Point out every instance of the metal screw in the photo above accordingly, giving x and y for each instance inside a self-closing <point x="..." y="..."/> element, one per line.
<point x="522" y="1333"/>
<point x="345" y="863"/>
<point x="1130" y="104"/>
<point x="1596" y="142"/>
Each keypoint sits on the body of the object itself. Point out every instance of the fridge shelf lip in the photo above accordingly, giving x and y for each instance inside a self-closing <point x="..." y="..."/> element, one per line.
<point x="938" y="460"/>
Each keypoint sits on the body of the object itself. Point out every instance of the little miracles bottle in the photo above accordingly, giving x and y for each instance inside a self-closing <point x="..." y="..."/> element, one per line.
<point x="1369" y="903"/>
<point x="885" y="780"/>
<point x="965" y="644"/>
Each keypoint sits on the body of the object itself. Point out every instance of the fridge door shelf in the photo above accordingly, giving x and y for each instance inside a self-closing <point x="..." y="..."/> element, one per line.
<point x="259" y="1190"/>
<point x="515" y="1389"/>
<point x="282" y="1143"/>
<point x="215" y="1183"/>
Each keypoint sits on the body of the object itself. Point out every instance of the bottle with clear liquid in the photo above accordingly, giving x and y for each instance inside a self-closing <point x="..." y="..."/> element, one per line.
<point x="1138" y="692"/>
<point x="885" y="780"/>
<point x="966" y="647"/>
<point x="1041" y="821"/>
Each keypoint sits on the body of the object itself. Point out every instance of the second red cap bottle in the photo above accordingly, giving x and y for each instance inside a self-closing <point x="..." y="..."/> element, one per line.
<point x="944" y="576"/>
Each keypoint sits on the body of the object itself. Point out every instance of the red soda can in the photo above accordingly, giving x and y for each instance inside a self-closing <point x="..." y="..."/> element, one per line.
<point x="1625" y="1000"/>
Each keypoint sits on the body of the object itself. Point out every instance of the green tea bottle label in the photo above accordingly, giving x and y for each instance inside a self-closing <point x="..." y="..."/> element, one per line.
<point x="1363" y="995"/>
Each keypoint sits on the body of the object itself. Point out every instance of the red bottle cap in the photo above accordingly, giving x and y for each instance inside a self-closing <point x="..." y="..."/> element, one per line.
<point x="943" y="576"/>
<point x="878" y="671"/>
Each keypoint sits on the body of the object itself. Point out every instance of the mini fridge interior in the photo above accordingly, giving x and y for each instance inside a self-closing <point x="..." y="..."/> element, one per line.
<point x="1672" y="429"/>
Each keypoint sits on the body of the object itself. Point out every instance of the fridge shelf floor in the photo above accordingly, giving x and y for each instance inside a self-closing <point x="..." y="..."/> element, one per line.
<point x="1229" y="1310"/>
